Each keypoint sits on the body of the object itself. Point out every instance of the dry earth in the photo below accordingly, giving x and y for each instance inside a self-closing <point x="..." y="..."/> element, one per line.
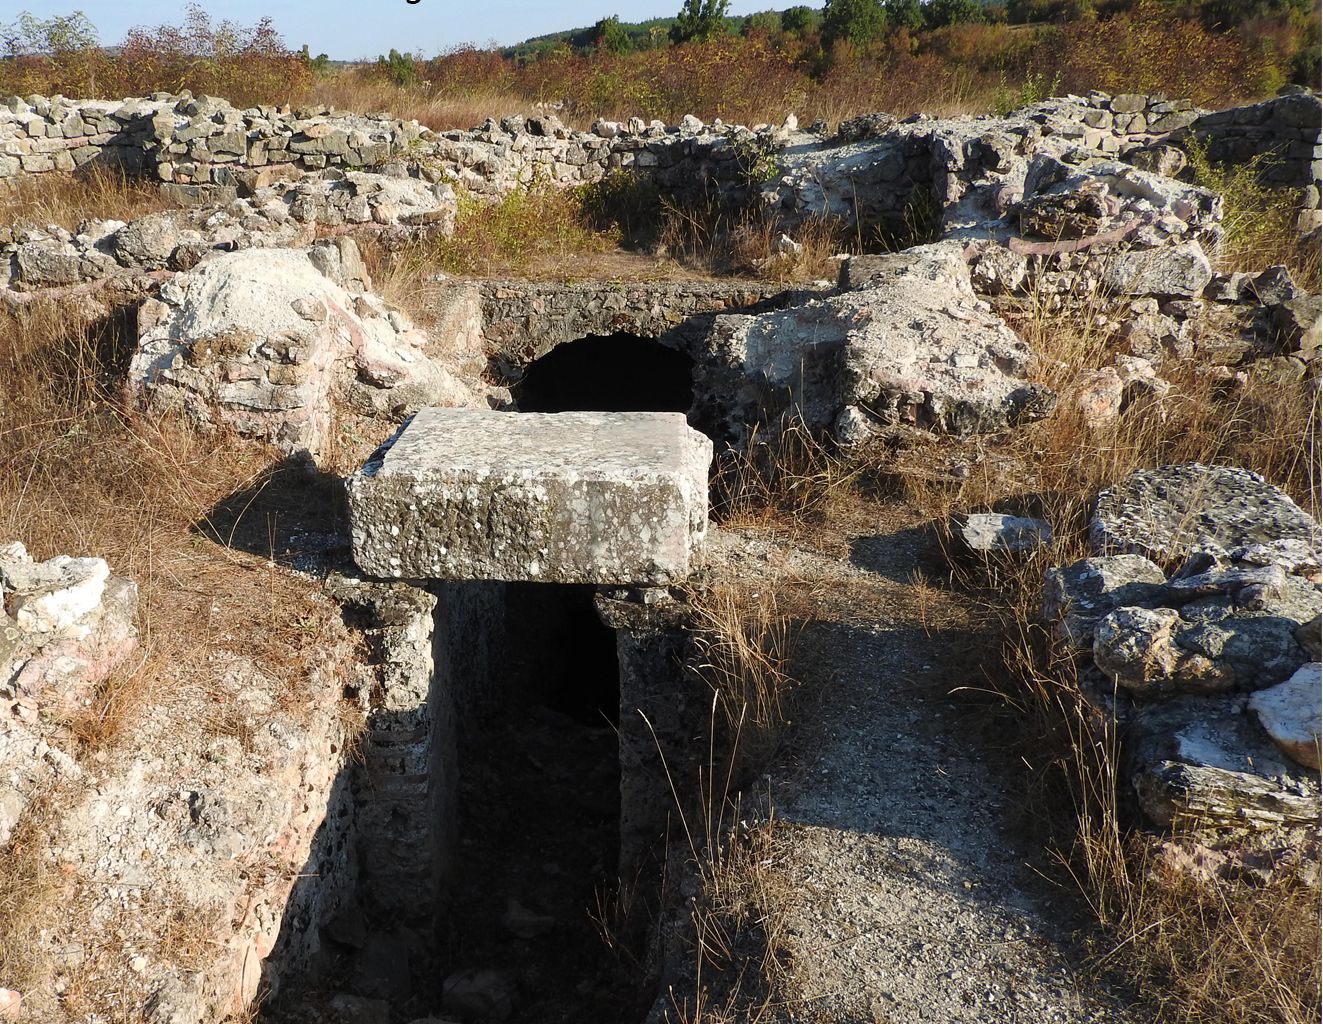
<point x="912" y="885"/>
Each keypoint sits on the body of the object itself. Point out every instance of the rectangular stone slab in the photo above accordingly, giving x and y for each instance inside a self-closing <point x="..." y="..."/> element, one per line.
<point x="575" y="497"/>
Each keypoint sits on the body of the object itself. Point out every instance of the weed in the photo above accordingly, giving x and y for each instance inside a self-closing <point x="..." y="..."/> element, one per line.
<point x="39" y="200"/>
<point x="28" y="892"/>
<point x="783" y="474"/>
<point x="1259" y="221"/>
<point x="535" y="225"/>
<point x="1231" y="954"/>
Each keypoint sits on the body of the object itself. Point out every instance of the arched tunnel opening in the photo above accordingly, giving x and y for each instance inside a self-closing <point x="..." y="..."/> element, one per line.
<point x="612" y="373"/>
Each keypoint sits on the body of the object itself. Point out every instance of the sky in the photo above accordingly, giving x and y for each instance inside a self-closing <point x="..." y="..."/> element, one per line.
<point x="348" y="29"/>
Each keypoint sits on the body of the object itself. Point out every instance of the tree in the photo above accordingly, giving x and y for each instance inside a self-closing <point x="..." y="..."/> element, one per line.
<point x="320" y="64"/>
<point x="860" y="22"/>
<point x="608" y="34"/>
<point x="954" y="12"/>
<point x="763" y="23"/>
<point x="49" y="37"/>
<point x="906" y="14"/>
<point x="801" y="21"/>
<point x="398" y="67"/>
<point x="700" y="19"/>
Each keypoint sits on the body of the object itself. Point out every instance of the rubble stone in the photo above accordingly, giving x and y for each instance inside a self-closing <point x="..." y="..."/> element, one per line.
<point x="1201" y="760"/>
<point x="1076" y="597"/>
<point x="1290" y="713"/>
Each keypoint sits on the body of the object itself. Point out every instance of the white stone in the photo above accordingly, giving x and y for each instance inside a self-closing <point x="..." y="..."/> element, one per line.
<point x="1290" y="713"/>
<point x="581" y="497"/>
<point x="51" y="596"/>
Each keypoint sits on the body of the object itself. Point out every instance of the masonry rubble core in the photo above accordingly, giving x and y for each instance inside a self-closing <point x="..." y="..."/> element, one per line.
<point x="581" y="497"/>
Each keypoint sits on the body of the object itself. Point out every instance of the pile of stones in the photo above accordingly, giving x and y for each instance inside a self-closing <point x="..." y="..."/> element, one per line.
<point x="1197" y="626"/>
<point x="286" y="213"/>
<point x="65" y="625"/>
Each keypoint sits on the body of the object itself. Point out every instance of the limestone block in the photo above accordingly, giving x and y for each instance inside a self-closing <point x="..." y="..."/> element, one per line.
<point x="1200" y="759"/>
<point x="1179" y="270"/>
<point x="1077" y="596"/>
<point x="989" y="533"/>
<point x="1172" y="511"/>
<point x="579" y="497"/>
<point x="1290" y="713"/>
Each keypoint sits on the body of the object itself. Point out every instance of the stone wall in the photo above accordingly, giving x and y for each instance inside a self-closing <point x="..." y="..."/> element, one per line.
<point x="195" y="144"/>
<point x="54" y="134"/>
<point x="188" y="141"/>
<point x="1284" y="131"/>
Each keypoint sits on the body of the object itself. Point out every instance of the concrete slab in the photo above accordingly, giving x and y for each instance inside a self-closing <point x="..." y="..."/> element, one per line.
<point x="578" y="497"/>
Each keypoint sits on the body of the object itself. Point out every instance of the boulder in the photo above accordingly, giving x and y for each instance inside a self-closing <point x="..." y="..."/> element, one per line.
<point x="1169" y="512"/>
<point x="1289" y="712"/>
<point x="1076" y="597"/>
<point x="273" y="342"/>
<point x="485" y="994"/>
<point x="147" y="242"/>
<point x="908" y="344"/>
<point x="65" y="625"/>
<point x="988" y="533"/>
<point x="1175" y="271"/>
<point x="1207" y="645"/>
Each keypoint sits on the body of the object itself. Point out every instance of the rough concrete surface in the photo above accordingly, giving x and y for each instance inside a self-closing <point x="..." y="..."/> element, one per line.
<point x="1172" y="511"/>
<point x="561" y="498"/>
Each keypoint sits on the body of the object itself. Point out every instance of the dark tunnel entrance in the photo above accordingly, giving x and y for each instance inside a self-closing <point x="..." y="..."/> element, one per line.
<point x="614" y="373"/>
<point x="540" y="817"/>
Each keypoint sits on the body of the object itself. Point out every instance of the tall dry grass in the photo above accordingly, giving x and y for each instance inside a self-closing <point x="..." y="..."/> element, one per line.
<point x="743" y="646"/>
<point x="82" y="473"/>
<point x="1229" y="953"/>
<point x="66" y="200"/>
<point x="958" y="69"/>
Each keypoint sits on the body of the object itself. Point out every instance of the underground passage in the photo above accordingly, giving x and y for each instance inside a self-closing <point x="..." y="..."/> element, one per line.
<point x="615" y="373"/>
<point x="539" y="816"/>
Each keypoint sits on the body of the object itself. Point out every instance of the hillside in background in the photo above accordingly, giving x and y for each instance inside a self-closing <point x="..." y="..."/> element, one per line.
<point x="850" y="57"/>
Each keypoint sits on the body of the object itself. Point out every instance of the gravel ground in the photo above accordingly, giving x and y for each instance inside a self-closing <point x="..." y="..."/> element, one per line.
<point x="914" y="888"/>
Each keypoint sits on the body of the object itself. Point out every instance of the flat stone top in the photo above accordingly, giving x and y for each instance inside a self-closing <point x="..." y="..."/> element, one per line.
<point x="588" y="445"/>
<point x="1172" y="511"/>
<point x="575" y="497"/>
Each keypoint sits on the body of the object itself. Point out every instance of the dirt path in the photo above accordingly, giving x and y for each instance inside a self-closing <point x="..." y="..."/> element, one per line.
<point x="912" y="880"/>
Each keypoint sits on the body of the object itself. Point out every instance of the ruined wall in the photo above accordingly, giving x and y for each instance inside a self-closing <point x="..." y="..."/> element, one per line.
<point x="1284" y="131"/>
<point x="188" y="142"/>
<point x="198" y="146"/>
<point x="524" y="320"/>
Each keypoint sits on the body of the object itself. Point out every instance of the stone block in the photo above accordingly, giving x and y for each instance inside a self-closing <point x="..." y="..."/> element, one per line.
<point x="582" y="497"/>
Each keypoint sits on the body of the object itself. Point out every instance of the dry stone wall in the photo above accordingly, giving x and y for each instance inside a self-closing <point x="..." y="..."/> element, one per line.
<point x="197" y="145"/>
<point x="1284" y="131"/>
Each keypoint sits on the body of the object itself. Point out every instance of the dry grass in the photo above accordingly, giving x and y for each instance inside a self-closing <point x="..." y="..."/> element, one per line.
<point x="439" y="110"/>
<point x="39" y="200"/>
<point x="783" y="476"/>
<point x="82" y="474"/>
<point x="28" y="892"/>
<point x="737" y="933"/>
<point x="1260" y="221"/>
<point x="743" y="645"/>
<point x="1230" y="954"/>
<point x="536" y="231"/>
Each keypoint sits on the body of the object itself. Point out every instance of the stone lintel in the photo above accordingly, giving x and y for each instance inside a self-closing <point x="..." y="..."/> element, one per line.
<point x="578" y="497"/>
